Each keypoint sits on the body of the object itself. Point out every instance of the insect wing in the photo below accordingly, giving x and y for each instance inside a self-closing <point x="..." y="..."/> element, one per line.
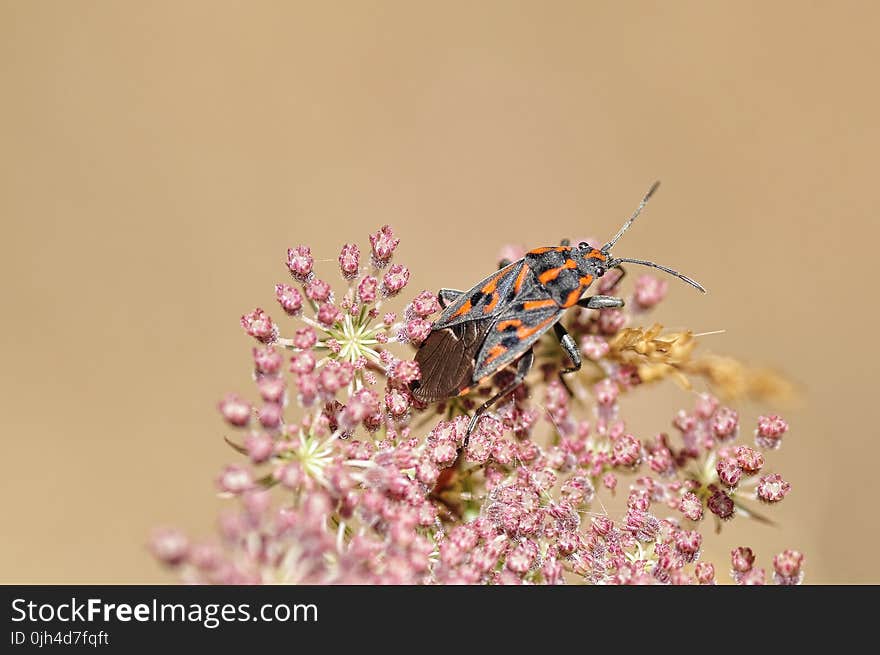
<point x="487" y="298"/>
<point x="446" y="360"/>
<point x="516" y="329"/>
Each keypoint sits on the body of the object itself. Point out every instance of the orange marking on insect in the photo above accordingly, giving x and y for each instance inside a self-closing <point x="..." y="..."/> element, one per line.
<point x="538" y="304"/>
<point x="552" y="273"/>
<point x="492" y="284"/>
<point x="464" y="392"/>
<point x="586" y="280"/>
<point x="464" y="309"/>
<point x="495" y="352"/>
<point x="520" y="278"/>
<point x="541" y="251"/>
<point x="597" y="254"/>
<point x="503" y="325"/>
<point x="549" y="274"/>
<point x="525" y="332"/>
<point x="573" y="297"/>
<point x="488" y="308"/>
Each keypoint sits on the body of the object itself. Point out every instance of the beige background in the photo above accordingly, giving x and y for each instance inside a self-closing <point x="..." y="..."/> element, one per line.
<point x="156" y="159"/>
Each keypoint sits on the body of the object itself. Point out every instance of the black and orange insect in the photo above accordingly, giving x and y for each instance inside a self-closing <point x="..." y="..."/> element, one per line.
<point x="497" y="322"/>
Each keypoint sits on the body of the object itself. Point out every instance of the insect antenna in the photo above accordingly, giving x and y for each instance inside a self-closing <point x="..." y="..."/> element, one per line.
<point x="626" y="260"/>
<point x="632" y="218"/>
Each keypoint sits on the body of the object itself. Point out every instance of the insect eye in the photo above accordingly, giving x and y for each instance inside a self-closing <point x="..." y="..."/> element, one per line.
<point x="583" y="245"/>
<point x="600" y="271"/>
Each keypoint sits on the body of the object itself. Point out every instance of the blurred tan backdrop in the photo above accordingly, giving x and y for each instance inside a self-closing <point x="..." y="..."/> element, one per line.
<point x="158" y="158"/>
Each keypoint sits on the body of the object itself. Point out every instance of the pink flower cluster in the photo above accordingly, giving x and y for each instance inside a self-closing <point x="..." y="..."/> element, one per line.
<point x="345" y="478"/>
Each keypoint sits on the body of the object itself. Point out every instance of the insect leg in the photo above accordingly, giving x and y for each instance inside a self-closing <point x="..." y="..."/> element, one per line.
<point x="570" y="348"/>
<point x="522" y="369"/>
<point x="600" y="302"/>
<point x="447" y="296"/>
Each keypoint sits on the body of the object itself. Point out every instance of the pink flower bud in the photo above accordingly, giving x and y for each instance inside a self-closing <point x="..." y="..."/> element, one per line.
<point x="417" y="330"/>
<point x="361" y="405"/>
<point x="289" y="298"/>
<point x="705" y="572"/>
<point x="787" y="567"/>
<point x="308" y="389"/>
<point x="235" y="480"/>
<point x="742" y="559"/>
<point x="335" y="375"/>
<point x="721" y="505"/>
<point x="568" y="542"/>
<point x="427" y="472"/>
<point x="479" y="448"/>
<point x="259" y="446"/>
<point x="649" y="291"/>
<point x="383" y="245"/>
<point x="267" y="360"/>
<point x="349" y="260"/>
<point x="169" y="546"/>
<point x="271" y="388"/>
<point x="300" y="262"/>
<point x="318" y="291"/>
<point x="606" y="392"/>
<point x="609" y="481"/>
<point x="503" y="452"/>
<point x="749" y="460"/>
<point x="303" y="362"/>
<point x="755" y="576"/>
<point x="444" y="454"/>
<point x="405" y="372"/>
<point x="626" y="451"/>
<point x="691" y="506"/>
<point x="642" y="525"/>
<point x="611" y="321"/>
<point x="769" y="432"/>
<point x="290" y="475"/>
<point x="729" y="472"/>
<point x="259" y="325"/>
<point x="256" y="503"/>
<point x="270" y="415"/>
<point x="661" y="461"/>
<point x="395" y="280"/>
<point x="706" y="405"/>
<point x="305" y="338"/>
<point x="725" y="423"/>
<point x="328" y="314"/>
<point x="685" y="422"/>
<point x="594" y="347"/>
<point x="638" y="499"/>
<point x="772" y="488"/>
<point x="688" y="543"/>
<point x="397" y="402"/>
<point x="425" y="304"/>
<point x="206" y="556"/>
<point x="236" y="411"/>
<point x="521" y="558"/>
<point x="367" y="289"/>
<point x="552" y="571"/>
<point x="601" y="525"/>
